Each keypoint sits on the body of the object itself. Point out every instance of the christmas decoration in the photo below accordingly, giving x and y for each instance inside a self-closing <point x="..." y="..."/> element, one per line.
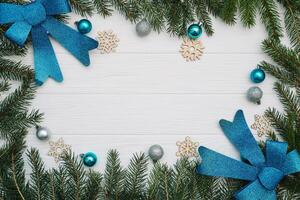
<point x="180" y="179"/>
<point x="257" y="75"/>
<point x="262" y="125"/>
<point x="58" y="148"/>
<point x="265" y="173"/>
<point x="37" y="18"/>
<point x="143" y="28"/>
<point x="254" y="94"/>
<point x="89" y="159"/>
<point x="191" y="50"/>
<point x="42" y="133"/>
<point x="194" y="31"/>
<point x="156" y="152"/>
<point x="187" y="148"/>
<point x="108" y="40"/>
<point x="84" y="26"/>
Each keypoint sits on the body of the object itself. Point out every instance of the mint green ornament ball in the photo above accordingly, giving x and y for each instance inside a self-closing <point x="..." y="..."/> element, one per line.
<point x="194" y="31"/>
<point x="89" y="159"/>
<point x="84" y="26"/>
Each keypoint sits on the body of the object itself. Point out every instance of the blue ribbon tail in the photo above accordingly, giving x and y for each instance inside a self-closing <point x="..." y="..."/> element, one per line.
<point x="255" y="191"/>
<point x="276" y="153"/>
<point x="216" y="164"/>
<point x="76" y="43"/>
<point x="241" y="137"/>
<point x="45" y="61"/>
<point x="55" y="7"/>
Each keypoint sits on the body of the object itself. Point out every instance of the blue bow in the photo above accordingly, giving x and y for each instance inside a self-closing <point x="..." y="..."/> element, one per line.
<point x="264" y="172"/>
<point x="37" y="18"/>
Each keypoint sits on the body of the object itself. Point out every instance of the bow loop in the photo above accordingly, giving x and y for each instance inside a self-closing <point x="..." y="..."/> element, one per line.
<point x="34" y="13"/>
<point x="270" y="177"/>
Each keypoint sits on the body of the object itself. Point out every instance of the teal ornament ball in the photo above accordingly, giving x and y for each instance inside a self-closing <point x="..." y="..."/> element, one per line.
<point x="194" y="31"/>
<point x="84" y="26"/>
<point x="89" y="159"/>
<point x="257" y="75"/>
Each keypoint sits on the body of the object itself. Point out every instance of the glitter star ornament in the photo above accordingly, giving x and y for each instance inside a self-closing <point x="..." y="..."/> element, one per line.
<point x="187" y="148"/>
<point x="262" y="125"/>
<point x="108" y="41"/>
<point x="57" y="149"/>
<point x="191" y="50"/>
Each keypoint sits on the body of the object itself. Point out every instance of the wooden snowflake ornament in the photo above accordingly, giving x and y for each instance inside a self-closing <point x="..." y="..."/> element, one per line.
<point x="187" y="148"/>
<point x="262" y="125"/>
<point x="191" y="50"/>
<point x="57" y="149"/>
<point x="108" y="41"/>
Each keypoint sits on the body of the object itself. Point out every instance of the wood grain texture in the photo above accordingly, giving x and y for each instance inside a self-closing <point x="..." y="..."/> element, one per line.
<point x="146" y="93"/>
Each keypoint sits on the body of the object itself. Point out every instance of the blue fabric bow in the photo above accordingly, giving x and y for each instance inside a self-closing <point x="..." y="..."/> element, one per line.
<point x="264" y="172"/>
<point x="37" y="18"/>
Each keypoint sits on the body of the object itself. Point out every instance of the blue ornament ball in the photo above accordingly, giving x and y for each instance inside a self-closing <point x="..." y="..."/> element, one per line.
<point x="257" y="75"/>
<point x="194" y="31"/>
<point x="84" y="26"/>
<point x="89" y="159"/>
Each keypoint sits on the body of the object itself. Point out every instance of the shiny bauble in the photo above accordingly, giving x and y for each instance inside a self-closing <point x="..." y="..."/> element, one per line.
<point x="42" y="133"/>
<point x="84" y="26"/>
<point x="156" y="152"/>
<point x="254" y="94"/>
<point x="194" y="31"/>
<point x="257" y="75"/>
<point x="143" y="28"/>
<point x="89" y="159"/>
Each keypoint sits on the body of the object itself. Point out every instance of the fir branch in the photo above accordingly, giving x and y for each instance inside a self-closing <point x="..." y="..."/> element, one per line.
<point x="75" y="176"/>
<point x="93" y="186"/>
<point x="136" y="176"/>
<point x="82" y="7"/>
<point x="292" y="25"/>
<point x="228" y="13"/>
<point x="248" y="12"/>
<point x="103" y="7"/>
<point x="203" y="15"/>
<point x="114" y="176"/>
<point x="270" y="18"/>
<point x="39" y="177"/>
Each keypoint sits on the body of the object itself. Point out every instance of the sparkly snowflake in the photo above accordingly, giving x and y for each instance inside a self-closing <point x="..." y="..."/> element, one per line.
<point x="108" y="41"/>
<point x="262" y="125"/>
<point x="187" y="148"/>
<point x="191" y="50"/>
<point x="58" y="148"/>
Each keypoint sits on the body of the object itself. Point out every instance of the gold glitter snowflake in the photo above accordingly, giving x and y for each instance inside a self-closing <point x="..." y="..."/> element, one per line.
<point x="187" y="148"/>
<point x="191" y="50"/>
<point x="58" y="148"/>
<point x="108" y="41"/>
<point x="262" y="125"/>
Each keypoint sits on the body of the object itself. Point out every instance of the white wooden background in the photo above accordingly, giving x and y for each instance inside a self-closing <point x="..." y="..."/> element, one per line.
<point x="146" y="93"/>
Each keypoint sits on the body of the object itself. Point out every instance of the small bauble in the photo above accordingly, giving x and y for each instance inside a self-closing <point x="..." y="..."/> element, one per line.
<point x="156" y="152"/>
<point x="194" y="31"/>
<point x="255" y="94"/>
<point x="143" y="28"/>
<point x="84" y="26"/>
<point x="42" y="133"/>
<point x="257" y="75"/>
<point x="89" y="159"/>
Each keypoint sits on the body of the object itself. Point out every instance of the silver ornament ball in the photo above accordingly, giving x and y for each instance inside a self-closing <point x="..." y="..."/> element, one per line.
<point x="254" y="94"/>
<point x="143" y="28"/>
<point x="42" y="133"/>
<point x="156" y="152"/>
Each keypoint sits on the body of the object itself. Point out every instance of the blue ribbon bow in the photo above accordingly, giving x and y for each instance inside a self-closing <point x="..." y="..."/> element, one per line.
<point x="37" y="18"/>
<point x="264" y="172"/>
